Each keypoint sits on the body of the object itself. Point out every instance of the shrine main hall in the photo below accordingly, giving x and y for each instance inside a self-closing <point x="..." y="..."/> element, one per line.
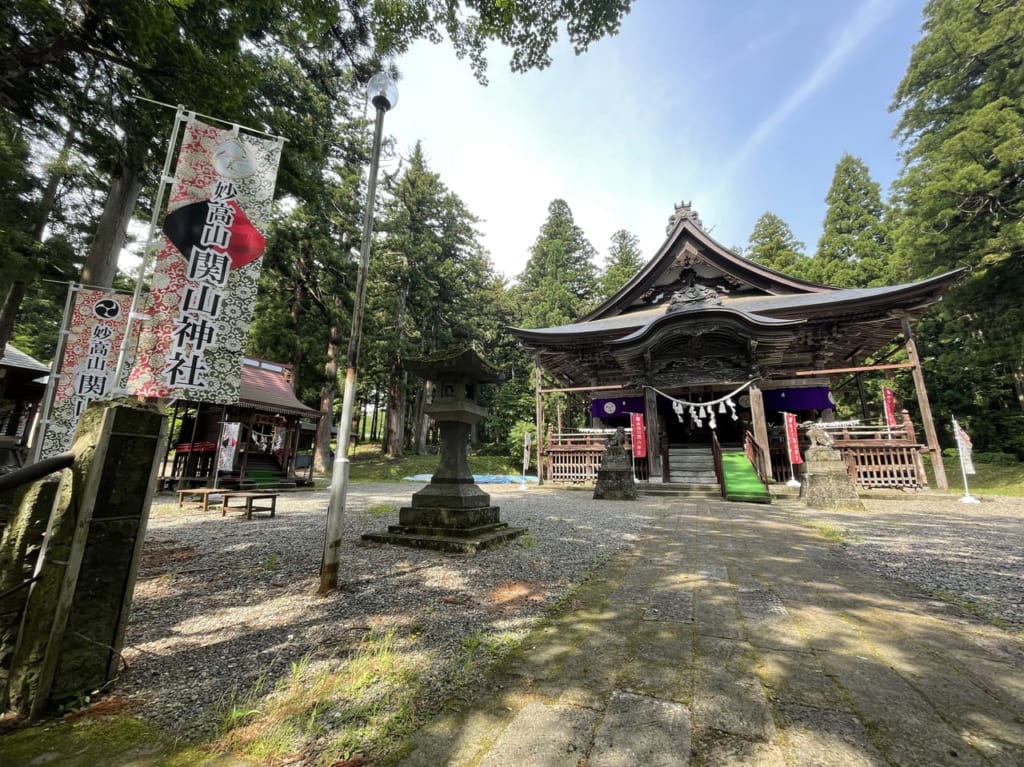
<point x="702" y="341"/>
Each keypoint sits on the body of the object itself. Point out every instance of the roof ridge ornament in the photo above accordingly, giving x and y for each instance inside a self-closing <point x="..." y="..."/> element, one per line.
<point x="683" y="212"/>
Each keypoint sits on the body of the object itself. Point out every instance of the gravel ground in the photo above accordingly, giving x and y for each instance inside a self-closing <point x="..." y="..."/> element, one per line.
<point x="224" y="604"/>
<point x="969" y="554"/>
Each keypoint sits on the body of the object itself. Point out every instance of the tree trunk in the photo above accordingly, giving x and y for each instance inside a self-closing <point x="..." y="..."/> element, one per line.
<point x="9" y="311"/>
<point x="16" y="293"/>
<point x="376" y="411"/>
<point x="100" y="267"/>
<point x="322" y="459"/>
<point x="396" y="413"/>
<point x="420" y="421"/>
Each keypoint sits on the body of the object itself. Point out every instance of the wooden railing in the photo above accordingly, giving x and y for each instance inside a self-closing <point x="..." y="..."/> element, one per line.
<point x="575" y="457"/>
<point x="758" y="458"/>
<point x="716" y="452"/>
<point x="875" y="456"/>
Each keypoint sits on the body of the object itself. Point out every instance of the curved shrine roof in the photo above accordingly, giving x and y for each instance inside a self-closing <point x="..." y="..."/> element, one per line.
<point x="696" y="302"/>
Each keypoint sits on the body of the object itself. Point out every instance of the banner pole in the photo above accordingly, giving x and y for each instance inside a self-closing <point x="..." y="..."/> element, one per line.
<point x="147" y="252"/>
<point x="51" y="383"/>
<point x="967" y="497"/>
<point x="793" y="481"/>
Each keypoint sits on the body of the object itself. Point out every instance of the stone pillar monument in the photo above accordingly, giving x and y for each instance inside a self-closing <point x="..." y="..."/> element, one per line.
<point x="615" y="477"/>
<point x="827" y="485"/>
<point x="452" y="513"/>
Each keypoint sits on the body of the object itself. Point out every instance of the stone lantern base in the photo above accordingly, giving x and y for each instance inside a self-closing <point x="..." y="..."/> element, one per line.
<point x="449" y="516"/>
<point x="452" y="513"/>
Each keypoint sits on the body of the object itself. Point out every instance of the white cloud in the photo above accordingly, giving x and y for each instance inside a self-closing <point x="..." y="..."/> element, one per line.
<point x="852" y="34"/>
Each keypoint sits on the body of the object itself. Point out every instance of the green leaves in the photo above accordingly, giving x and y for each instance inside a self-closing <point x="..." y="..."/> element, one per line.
<point x="623" y="261"/>
<point x="960" y="202"/>
<point x="853" y="251"/>
<point x="773" y="244"/>
<point x="559" y="280"/>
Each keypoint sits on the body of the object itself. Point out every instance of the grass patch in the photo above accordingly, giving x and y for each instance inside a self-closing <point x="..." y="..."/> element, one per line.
<point x="830" y="533"/>
<point x="977" y="609"/>
<point x="991" y="479"/>
<point x="381" y="510"/>
<point x="357" y="706"/>
<point x="369" y="464"/>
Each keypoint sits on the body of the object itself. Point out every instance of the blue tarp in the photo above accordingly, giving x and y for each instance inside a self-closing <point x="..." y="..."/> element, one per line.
<point x="480" y="479"/>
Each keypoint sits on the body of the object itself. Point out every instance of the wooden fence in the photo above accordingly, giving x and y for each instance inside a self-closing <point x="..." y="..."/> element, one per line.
<point x="876" y="456"/>
<point x="575" y="457"/>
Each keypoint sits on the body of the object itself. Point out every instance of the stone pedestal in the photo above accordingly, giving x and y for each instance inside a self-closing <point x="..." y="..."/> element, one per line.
<point x="826" y="483"/>
<point x="451" y="513"/>
<point x="615" y="477"/>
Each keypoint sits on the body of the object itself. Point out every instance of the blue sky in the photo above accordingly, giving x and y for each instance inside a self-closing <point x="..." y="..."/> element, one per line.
<point x="736" y="105"/>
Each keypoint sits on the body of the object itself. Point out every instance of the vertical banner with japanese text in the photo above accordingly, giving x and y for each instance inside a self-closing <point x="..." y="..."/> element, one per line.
<point x="228" y="447"/>
<point x="889" y="401"/>
<point x="792" y="439"/>
<point x="206" y="275"/>
<point x="965" y="448"/>
<point x="95" y="328"/>
<point x="638" y="434"/>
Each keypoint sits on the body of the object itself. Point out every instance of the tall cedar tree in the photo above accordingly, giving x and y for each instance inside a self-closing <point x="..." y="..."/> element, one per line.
<point x="559" y="281"/>
<point x="71" y="67"/>
<point x="773" y="244"/>
<point x="558" y="284"/>
<point x="430" y="289"/>
<point x="623" y="261"/>
<point x="853" y="249"/>
<point x="960" y="199"/>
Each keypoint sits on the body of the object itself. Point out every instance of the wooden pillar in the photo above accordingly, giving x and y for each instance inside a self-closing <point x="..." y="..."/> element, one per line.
<point x="926" y="408"/>
<point x="759" y="422"/>
<point x="540" y="422"/>
<point x="862" y="393"/>
<point x="654" y="467"/>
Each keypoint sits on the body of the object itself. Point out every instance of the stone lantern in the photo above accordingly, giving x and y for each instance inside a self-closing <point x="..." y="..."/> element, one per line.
<point x="452" y="513"/>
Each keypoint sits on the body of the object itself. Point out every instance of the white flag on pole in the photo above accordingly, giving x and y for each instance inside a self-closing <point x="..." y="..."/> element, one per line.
<point x="964" y="446"/>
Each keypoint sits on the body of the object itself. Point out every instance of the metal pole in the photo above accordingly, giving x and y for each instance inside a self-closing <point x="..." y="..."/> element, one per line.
<point x="152" y="246"/>
<point x="339" y="473"/>
<point x="51" y="383"/>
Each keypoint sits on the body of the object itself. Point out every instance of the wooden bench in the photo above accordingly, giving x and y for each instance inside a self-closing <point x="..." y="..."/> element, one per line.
<point x="250" y="498"/>
<point x="204" y="494"/>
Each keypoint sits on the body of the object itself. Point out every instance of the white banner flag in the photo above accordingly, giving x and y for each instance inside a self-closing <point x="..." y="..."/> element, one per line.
<point x="964" y="445"/>
<point x="206" y="275"/>
<point x="95" y="329"/>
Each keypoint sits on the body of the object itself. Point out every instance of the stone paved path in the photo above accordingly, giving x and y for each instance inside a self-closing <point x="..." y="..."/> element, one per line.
<point x="730" y="635"/>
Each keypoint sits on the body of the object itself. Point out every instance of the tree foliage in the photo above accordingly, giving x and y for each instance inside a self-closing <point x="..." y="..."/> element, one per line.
<point x="623" y="261"/>
<point x="558" y="283"/>
<point x="71" y="70"/>
<point x="853" y="251"/>
<point x="960" y="203"/>
<point x="773" y="244"/>
<point x="432" y="290"/>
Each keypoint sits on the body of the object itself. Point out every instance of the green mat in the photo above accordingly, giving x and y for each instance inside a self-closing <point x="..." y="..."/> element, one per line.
<point x="741" y="482"/>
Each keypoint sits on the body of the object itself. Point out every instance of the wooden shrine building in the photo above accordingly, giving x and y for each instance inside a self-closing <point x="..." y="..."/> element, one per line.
<point x="702" y="334"/>
<point x="254" y="442"/>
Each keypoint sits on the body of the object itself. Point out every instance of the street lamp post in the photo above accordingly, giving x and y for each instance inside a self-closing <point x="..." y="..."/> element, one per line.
<point x="383" y="95"/>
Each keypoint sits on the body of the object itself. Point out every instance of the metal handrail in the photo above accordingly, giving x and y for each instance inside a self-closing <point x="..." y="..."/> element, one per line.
<point x="34" y="471"/>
